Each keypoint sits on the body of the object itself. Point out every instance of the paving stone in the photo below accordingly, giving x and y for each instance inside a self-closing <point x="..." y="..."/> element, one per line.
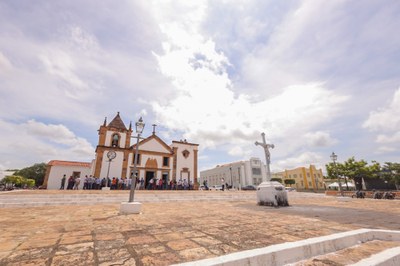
<point x="37" y="253"/>
<point x="206" y="241"/>
<point x="182" y="244"/>
<point x="164" y="234"/>
<point x="160" y="259"/>
<point x="30" y="262"/>
<point x="116" y="256"/>
<point x="195" y="253"/>
<point x="109" y="244"/>
<point x="127" y="262"/>
<point x="141" y="239"/>
<point x="36" y="242"/>
<point x="169" y="236"/>
<point x="70" y="239"/>
<point x="74" y="248"/>
<point x="222" y="249"/>
<point x="109" y="236"/>
<point x="75" y="259"/>
<point x="7" y="244"/>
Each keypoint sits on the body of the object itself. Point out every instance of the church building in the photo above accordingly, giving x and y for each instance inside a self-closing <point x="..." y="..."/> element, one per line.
<point x="114" y="157"/>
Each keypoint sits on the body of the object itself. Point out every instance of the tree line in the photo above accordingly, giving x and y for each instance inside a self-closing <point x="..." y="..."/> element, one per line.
<point x="27" y="177"/>
<point x="357" y="170"/>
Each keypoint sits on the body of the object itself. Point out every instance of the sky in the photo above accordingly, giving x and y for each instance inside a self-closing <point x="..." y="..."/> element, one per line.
<point x="316" y="76"/>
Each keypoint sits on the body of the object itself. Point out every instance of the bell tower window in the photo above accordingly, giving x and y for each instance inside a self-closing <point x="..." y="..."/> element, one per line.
<point x="115" y="140"/>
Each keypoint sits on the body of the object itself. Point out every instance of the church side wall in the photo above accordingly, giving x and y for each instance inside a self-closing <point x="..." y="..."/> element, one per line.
<point x="57" y="172"/>
<point x="183" y="162"/>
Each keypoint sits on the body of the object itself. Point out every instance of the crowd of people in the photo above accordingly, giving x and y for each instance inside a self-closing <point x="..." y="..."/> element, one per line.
<point x="115" y="183"/>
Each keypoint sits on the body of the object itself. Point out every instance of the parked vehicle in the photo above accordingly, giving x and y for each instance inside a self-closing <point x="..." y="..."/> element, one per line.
<point x="358" y="194"/>
<point x="288" y="189"/>
<point x="249" y="187"/>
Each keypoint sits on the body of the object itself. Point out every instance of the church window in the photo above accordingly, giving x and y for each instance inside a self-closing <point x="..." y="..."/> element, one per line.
<point x="185" y="153"/>
<point x="165" y="161"/>
<point x="115" y="140"/>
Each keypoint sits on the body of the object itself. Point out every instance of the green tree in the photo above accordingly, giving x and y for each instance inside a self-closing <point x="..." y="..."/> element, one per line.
<point x="18" y="181"/>
<point x="357" y="170"/>
<point x="13" y="180"/>
<point x="289" y="181"/>
<point x="35" y="172"/>
<point x="391" y="173"/>
<point x="353" y="169"/>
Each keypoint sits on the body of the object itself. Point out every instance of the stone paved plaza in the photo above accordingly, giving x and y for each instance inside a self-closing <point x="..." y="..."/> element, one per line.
<point x="202" y="224"/>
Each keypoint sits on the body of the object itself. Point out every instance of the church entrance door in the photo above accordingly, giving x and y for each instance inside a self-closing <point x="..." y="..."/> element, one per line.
<point x="165" y="180"/>
<point x="149" y="176"/>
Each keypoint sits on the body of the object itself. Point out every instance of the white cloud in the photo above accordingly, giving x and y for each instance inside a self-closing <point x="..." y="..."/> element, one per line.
<point x="5" y="64"/>
<point x="208" y="111"/>
<point x="45" y="141"/>
<point x="219" y="73"/>
<point x="304" y="159"/>
<point x="385" y="139"/>
<point x="319" y="139"/>
<point x="386" y="118"/>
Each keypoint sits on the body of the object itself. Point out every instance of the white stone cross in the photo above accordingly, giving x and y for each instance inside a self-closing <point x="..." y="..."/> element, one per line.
<point x="267" y="154"/>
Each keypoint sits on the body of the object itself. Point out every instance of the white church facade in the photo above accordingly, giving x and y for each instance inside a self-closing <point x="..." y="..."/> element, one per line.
<point x="156" y="159"/>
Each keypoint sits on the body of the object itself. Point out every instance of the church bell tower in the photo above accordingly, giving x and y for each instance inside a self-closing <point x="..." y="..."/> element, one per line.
<point x="115" y="138"/>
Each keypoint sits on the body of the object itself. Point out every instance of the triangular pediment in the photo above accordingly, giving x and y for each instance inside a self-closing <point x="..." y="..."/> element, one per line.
<point x="154" y="144"/>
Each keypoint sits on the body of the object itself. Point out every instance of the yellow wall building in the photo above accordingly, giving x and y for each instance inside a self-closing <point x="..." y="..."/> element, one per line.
<point x="309" y="178"/>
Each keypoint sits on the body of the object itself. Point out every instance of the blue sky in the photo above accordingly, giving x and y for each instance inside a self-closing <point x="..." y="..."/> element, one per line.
<point x="315" y="76"/>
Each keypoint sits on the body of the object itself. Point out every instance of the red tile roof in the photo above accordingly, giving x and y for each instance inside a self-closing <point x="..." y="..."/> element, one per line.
<point x="68" y="163"/>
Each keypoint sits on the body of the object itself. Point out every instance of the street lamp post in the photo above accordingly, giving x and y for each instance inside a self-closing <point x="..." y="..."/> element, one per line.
<point x="139" y="130"/>
<point x="240" y="184"/>
<point x="131" y="206"/>
<point x="334" y="158"/>
<point x="230" y="168"/>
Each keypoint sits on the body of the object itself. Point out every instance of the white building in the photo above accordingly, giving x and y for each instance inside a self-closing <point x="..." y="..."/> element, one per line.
<point x="57" y="169"/>
<point x="236" y="174"/>
<point x="156" y="159"/>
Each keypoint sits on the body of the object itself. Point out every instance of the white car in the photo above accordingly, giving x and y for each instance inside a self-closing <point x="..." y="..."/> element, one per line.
<point x="216" y="187"/>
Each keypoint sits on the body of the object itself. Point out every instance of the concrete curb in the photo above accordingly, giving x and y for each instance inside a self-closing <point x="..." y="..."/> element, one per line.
<point x="292" y="252"/>
<point x="389" y="257"/>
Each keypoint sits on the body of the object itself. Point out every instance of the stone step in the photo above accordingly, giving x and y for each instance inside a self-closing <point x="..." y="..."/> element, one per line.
<point x="20" y="200"/>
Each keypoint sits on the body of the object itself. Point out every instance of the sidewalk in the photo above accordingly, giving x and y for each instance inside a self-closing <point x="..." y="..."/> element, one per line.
<point x="171" y="232"/>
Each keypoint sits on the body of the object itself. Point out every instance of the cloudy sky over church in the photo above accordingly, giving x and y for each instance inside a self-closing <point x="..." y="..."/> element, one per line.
<point x="315" y="76"/>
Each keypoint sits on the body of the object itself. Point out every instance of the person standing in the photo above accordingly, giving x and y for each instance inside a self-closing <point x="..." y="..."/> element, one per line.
<point x="71" y="182"/>
<point x="85" y="182"/>
<point x="63" y="182"/>
<point x="77" y="182"/>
